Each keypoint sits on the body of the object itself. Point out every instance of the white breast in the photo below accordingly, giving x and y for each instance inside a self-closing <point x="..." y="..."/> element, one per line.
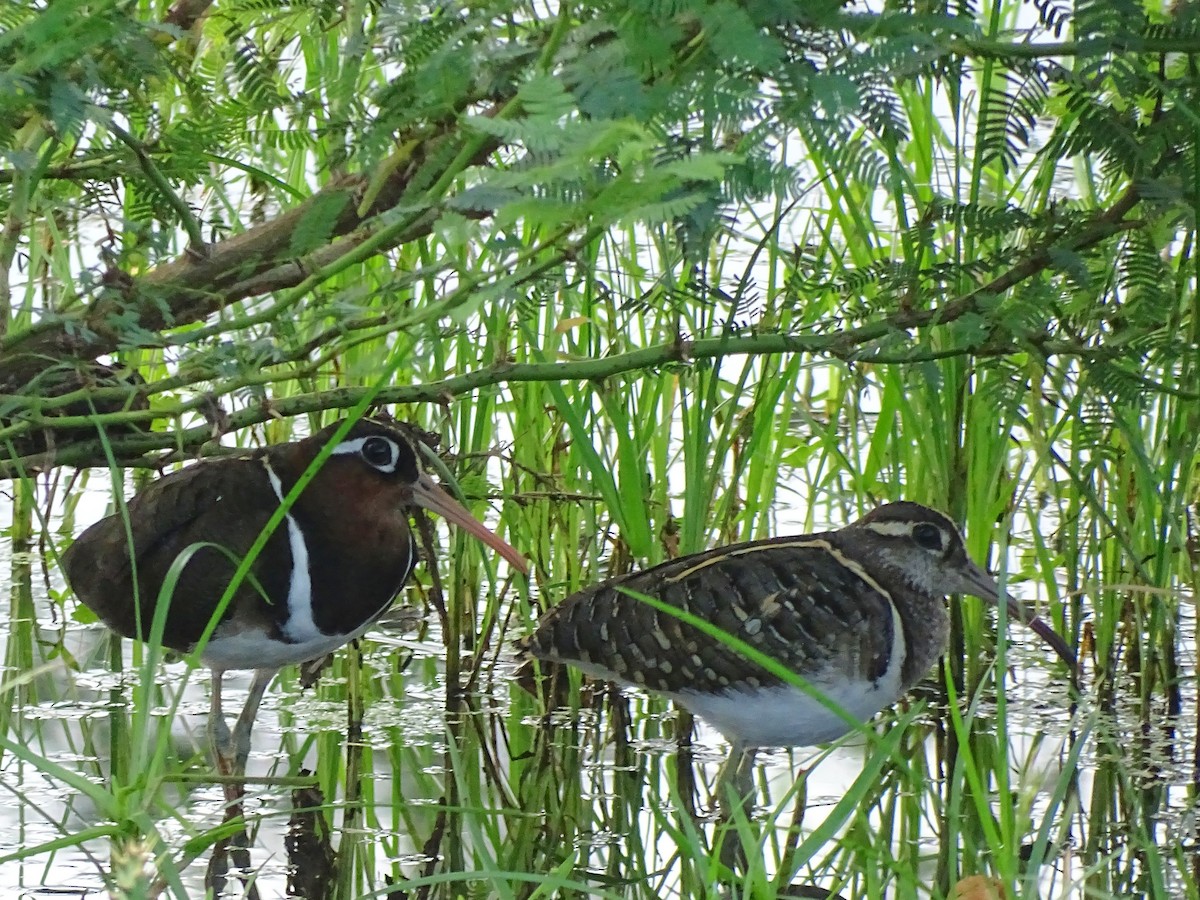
<point x="787" y="716"/>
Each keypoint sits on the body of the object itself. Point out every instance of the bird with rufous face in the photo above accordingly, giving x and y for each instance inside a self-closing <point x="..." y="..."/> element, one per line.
<point x="340" y="555"/>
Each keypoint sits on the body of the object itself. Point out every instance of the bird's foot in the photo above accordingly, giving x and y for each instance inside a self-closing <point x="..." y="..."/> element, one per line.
<point x="229" y="764"/>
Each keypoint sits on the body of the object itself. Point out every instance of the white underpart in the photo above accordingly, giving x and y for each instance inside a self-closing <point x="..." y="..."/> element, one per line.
<point x="786" y="716"/>
<point x="256" y="650"/>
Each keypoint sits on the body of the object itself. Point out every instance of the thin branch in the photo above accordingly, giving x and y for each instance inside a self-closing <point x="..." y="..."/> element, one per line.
<point x="141" y="450"/>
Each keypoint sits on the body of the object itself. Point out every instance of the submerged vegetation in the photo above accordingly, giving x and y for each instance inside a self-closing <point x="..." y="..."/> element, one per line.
<point x="661" y="276"/>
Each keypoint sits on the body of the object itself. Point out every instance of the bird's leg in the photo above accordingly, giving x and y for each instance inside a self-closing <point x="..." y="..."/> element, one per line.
<point x="218" y="732"/>
<point x="245" y="721"/>
<point x="743" y="779"/>
<point x="223" y="748"/>
<point x="735" y="784"/>
<point x="735" y="792"/>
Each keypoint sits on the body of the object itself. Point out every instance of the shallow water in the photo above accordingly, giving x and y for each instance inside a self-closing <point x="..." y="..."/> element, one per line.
<point x="606" y="781"/>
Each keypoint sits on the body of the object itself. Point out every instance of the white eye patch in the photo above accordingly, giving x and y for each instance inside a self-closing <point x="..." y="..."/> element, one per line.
<point x="376" y="451"/>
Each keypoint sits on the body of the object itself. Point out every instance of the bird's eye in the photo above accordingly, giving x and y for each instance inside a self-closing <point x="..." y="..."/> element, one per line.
<point x="928" y="536"/>
<point x="379" y="452"/>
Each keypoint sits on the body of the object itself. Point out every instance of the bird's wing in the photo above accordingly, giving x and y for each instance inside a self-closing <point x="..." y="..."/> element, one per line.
<point x="799" y="601"/>
<point x="203" y="503"/>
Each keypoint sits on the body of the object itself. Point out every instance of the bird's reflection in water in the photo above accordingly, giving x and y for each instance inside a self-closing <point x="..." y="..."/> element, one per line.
<point x="312" y="861"/>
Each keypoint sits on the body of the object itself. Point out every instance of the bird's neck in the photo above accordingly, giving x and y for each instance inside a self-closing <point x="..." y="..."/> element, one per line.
<point x="926" y="624"/>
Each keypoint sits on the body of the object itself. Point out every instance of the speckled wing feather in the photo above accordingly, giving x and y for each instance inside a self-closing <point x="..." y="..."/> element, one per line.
<point x="799" y="600"/>
<point x="180" y="509"/>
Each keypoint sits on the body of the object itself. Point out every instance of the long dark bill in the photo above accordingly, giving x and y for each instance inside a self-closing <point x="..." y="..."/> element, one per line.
<point x="981" y="584"/>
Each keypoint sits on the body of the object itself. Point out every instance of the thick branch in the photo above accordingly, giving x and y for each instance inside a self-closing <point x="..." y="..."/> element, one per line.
<point x="196" y="285"/>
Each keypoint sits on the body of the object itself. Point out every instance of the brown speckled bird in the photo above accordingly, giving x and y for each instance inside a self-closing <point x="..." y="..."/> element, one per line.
<point x="858" y="613"/>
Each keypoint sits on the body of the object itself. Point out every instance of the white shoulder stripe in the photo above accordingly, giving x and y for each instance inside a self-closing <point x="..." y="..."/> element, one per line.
<point x="299" y="625"/>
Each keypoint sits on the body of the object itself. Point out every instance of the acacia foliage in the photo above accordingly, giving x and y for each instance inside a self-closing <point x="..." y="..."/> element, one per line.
<point x="215" y="206"/>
